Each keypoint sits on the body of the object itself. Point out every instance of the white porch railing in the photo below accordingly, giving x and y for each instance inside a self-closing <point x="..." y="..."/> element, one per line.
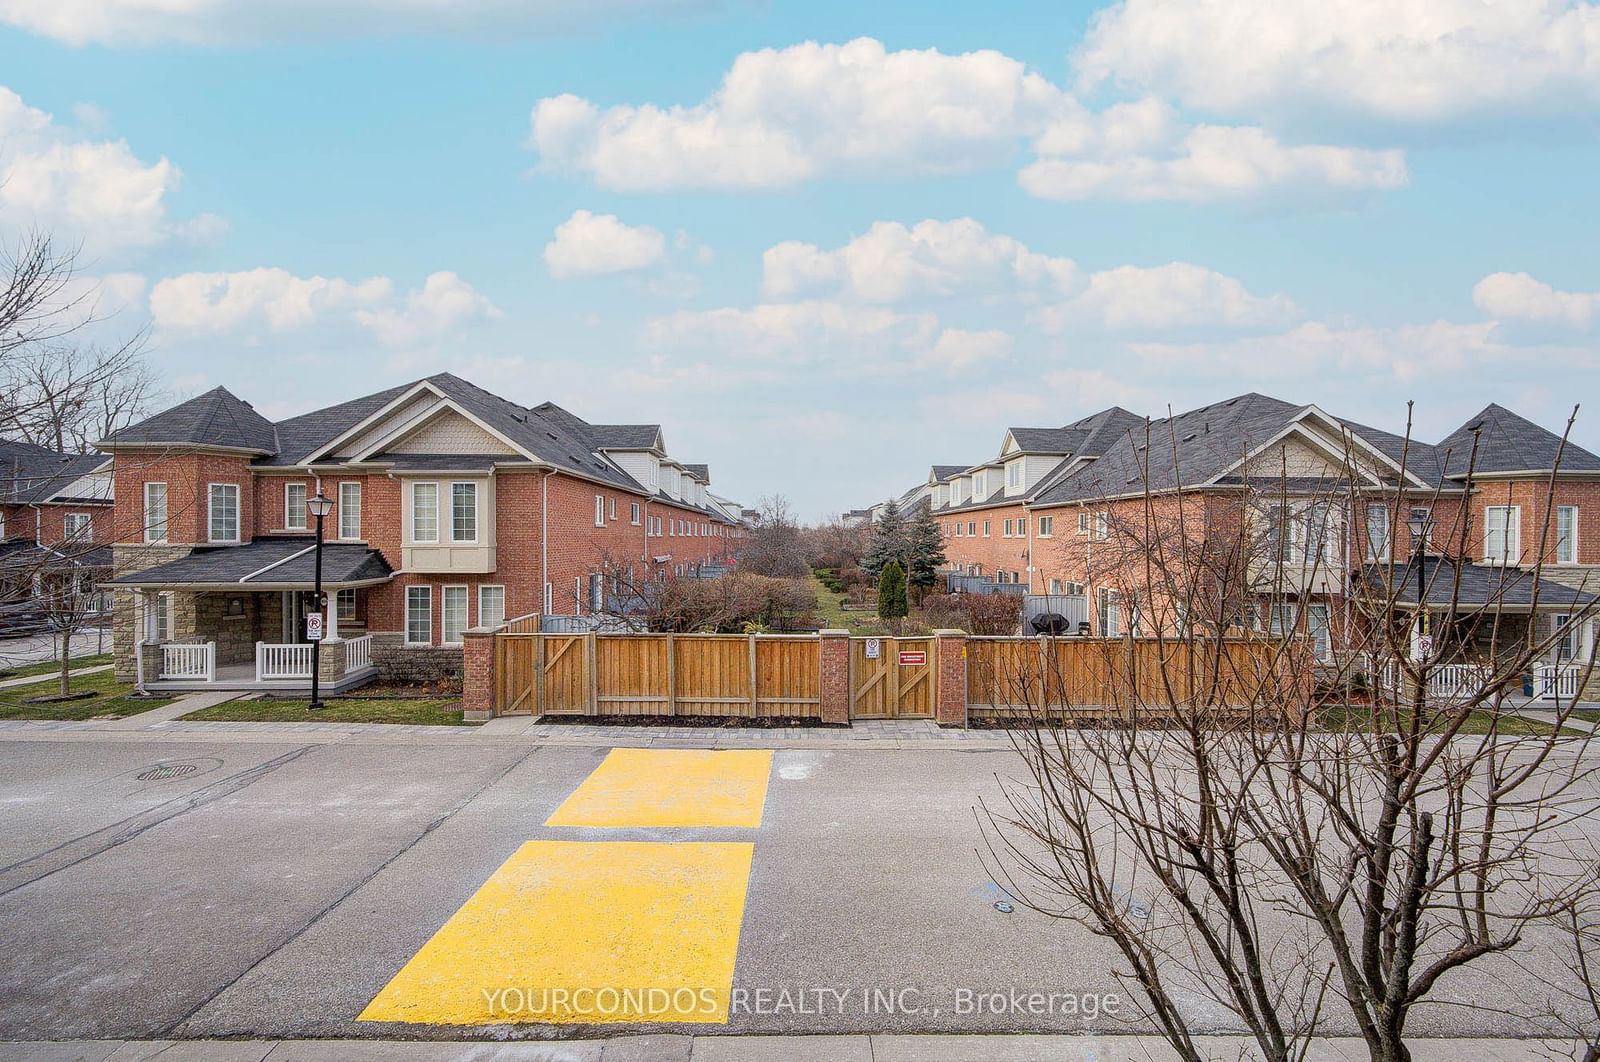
<point x="358" y="653"/>
<point x="1457" y="681"/>
<point x="1556" y="681"/>
<point x="196" y="661"/>
<point x="282" y="661"/>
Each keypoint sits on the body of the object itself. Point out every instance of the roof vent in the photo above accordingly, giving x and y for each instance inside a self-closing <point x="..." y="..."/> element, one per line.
<point x="1189" y="438"/>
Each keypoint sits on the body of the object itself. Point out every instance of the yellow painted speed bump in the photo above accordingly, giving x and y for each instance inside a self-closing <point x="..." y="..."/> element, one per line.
<point x="584" y="931"/>
<point x="666" y="788"/>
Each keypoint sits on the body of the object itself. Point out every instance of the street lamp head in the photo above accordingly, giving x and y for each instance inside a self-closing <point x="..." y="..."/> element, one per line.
<point x="319" y="506"/>
<point x="1418" y="522"/>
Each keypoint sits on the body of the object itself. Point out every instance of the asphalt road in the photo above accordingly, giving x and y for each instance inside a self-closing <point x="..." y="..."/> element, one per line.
<point x="274" y="891"/>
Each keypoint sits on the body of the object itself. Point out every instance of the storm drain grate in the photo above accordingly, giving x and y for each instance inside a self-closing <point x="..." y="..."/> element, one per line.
<point x="158" y="774"/>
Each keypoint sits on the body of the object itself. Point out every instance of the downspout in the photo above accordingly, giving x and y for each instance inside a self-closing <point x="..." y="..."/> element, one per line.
<point x="546" y="599"/>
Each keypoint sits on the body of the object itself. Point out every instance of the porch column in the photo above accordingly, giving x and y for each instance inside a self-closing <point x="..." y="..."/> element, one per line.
<point x="330" y="618"/>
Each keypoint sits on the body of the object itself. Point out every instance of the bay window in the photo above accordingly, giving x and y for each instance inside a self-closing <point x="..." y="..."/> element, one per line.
<point x="463" y="512"/>
<point x="1566" y="534"/>
<point x="223" y="512"/>
<point x="1502" y="534"/>
<point x="424" y="512"/>
<point x="155" y="512"/>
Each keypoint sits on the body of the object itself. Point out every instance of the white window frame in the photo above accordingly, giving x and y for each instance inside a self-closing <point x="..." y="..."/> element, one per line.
<point x="424" y="593"/>
<point x="477" y="510"/>
<point x="1377" y="549"/>
<point x="599" y="510"/>
<point x="346" y="615"/>
<point x="411" y="505"/>
<point x="595" y="598"/>
<point x="1083" y="523"/>
<point x="612" y="502"/>
<point x="70" y="533"/>
<point x="1047" y="527"/>
<point x="1511" y="532"/>
<point x="445" y="594"/>
<point x="158" y="620"/>
<point x="289" y="523"/>
<point x="633" y="513"/>
<point x="1108" y="613"/>
<point x="1571" y="538"/>
<point x="1102" y="526"/>
<point x="211" y="511"/>
<point x="150" y="534"/>
<point x="496" y="618"/>
<point x="1014" y="474"/>
<point x="347" y="488"/>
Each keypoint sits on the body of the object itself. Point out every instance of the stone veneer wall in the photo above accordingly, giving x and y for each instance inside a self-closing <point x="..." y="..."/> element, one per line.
<point x="126" y="559"/>
<point x="399" y="662"/>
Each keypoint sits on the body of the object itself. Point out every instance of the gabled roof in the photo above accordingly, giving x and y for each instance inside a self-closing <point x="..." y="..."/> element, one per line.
<point x="700" y="472"/>
<point x="216" y="418"/>
<point x="944" y="472"/>
<point x="30" y="473"/>
<point x="626" y="436"/>
<point x="1046" y="440"/>
<point x="1510" y="443"/>
<point x="299" y="437"/>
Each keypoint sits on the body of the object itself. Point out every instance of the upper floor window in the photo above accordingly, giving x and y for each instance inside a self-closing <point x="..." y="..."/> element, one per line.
<point x="1022" y="526"/>
<point x="1502" y="534"/>
<point x="350" y="510"/>
<point x="294" y="506"/>
<point x="78" y="527"/>
<point x="224" y="512"/>
<point x="972" y="529"/>
<point x="1047" y="526"/>
<point x="613" y="508"/>
<point x="958" y="530"/>
<point x="1566" y="534"/>
<point x="155" y="512"/>
<point x="463" y="512"/>
<point x="1102" y="526"/>
<point x="1014" y="474"/>
<point x="1007" y="532"/>
<point x="1377" y="532"/>
<point x="424" y="512"/>
<point x="599" y="510"/>
<point x="633" y="513"/>
<point x="987" y="524"/>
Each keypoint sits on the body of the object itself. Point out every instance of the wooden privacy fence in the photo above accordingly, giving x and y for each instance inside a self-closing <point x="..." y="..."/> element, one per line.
<point x="1019" y="674"/>
<point x="836" y="678"/>
<point x="759" y="675"/>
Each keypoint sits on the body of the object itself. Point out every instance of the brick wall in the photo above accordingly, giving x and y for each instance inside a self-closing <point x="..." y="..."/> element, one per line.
<point x="187" y="476"/>
<point x="994" y="551"/>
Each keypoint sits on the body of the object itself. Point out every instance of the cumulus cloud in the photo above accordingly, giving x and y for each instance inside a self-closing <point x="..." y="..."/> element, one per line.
<point x="783" y="115"/>
<point x="1518" y="296"/>
<point x="892" y="262"/>
<point x="1176" y="295"/>
<point x="279" y="301"/>
<point x="211" y="22"/>
<point x="588" y="244"/>
<point x="94" y="191"/>
<point x="863" y="339"/>
<point x="1212" y="162"/>
<point x="1396" y="60"/>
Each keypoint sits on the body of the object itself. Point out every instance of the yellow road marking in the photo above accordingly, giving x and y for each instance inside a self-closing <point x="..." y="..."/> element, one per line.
<point x="584" y="931"/>
<point x="644" y="788"/>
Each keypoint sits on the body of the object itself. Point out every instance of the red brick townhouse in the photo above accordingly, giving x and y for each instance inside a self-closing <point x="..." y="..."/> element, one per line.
<point x="452" y="508"/>
<point x="55" y="524"/>
<point x="1075" y="521"/>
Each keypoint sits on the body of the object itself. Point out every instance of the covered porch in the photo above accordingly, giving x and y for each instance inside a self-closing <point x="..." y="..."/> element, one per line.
<point x="235" y="618"/>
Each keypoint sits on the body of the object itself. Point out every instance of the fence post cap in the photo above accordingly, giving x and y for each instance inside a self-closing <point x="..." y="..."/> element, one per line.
<point x="480" y="630"/>
<point x="834" y="632"/>
<point x="949" y="632"/>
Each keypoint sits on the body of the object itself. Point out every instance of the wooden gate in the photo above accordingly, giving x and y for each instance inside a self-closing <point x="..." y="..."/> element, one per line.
<point x="897" y="683"/>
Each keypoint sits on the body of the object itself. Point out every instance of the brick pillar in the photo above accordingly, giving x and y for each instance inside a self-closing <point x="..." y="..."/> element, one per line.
<point x="950" y="660"/>
<point x="834" y="690"/>
<point x="477" y="673"/>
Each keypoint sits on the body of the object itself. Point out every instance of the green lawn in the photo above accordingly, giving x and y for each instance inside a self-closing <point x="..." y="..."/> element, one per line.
<point x="113" y="699"/>
<point x="1339" y="718"/>
<point x="444" y="711"/>
<point x="53" y="667"/>
<point x="830" y="610"/>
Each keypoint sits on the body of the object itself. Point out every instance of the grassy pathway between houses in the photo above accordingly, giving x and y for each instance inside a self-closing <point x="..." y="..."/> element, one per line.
<point x="113" y="699"/>
<point x="831" y="613"/>
<point x="440" y="711"/>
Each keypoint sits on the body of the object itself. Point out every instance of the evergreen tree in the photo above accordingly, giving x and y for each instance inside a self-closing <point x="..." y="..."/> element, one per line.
<point x="924" y="553"/>
<point x="888" y="541"/>
<point x="892" y="592"/>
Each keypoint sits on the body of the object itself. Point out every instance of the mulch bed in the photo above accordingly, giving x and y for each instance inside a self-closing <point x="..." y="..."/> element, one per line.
<point x="57" y="698"/>
<point x="707" y="722"/>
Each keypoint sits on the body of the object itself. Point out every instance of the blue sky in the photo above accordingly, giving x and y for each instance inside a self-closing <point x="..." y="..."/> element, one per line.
<point x="828" y="244"/>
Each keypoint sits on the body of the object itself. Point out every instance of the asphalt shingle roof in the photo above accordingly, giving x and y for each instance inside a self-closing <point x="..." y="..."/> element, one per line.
<point x="216" y="418"/>
<point x="700" y="472"/>
<point x="1510" y="443"/>
<point x="30" y="473"/>
<point x="1479" y="585"/>
<point x="625" y="436"/>
<point x="291" y="563"/>
<point x="1047" y="440"/>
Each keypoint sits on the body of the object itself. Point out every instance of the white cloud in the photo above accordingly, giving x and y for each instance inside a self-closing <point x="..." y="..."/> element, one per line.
<point x="141" y="22"/>
<point x="223" y="302"/>
<point x="1213" y="162"/>
<point x="279" y="301"/>
<point x="892" y="262"/>
<point x="783" y="115"/>
<point x="94" y="191"/>
<point x="860" y="339"/>
<point x="1519" y="296"/>
<point x="444" y="302"/>
<point x="1405" y="60"/>
<point x="588" y="244"/>
<point x="1176" y="295"/>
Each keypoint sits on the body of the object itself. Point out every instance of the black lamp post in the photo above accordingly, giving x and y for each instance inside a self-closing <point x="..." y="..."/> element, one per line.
<point x="1418" y="523"/>
<point x="320" y="506"/>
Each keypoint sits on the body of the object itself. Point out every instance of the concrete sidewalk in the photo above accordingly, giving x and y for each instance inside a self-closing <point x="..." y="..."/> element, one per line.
<point x="668" y="1048"/>
<point x="28" y="680"/>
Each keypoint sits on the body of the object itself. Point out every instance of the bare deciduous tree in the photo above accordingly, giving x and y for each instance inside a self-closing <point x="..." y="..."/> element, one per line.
<point x="775" y="546"/>
<point x="1310" y="840"/>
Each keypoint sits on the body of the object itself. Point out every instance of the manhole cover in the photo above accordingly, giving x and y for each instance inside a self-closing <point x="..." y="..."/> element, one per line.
<point x="173" y="770"/>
